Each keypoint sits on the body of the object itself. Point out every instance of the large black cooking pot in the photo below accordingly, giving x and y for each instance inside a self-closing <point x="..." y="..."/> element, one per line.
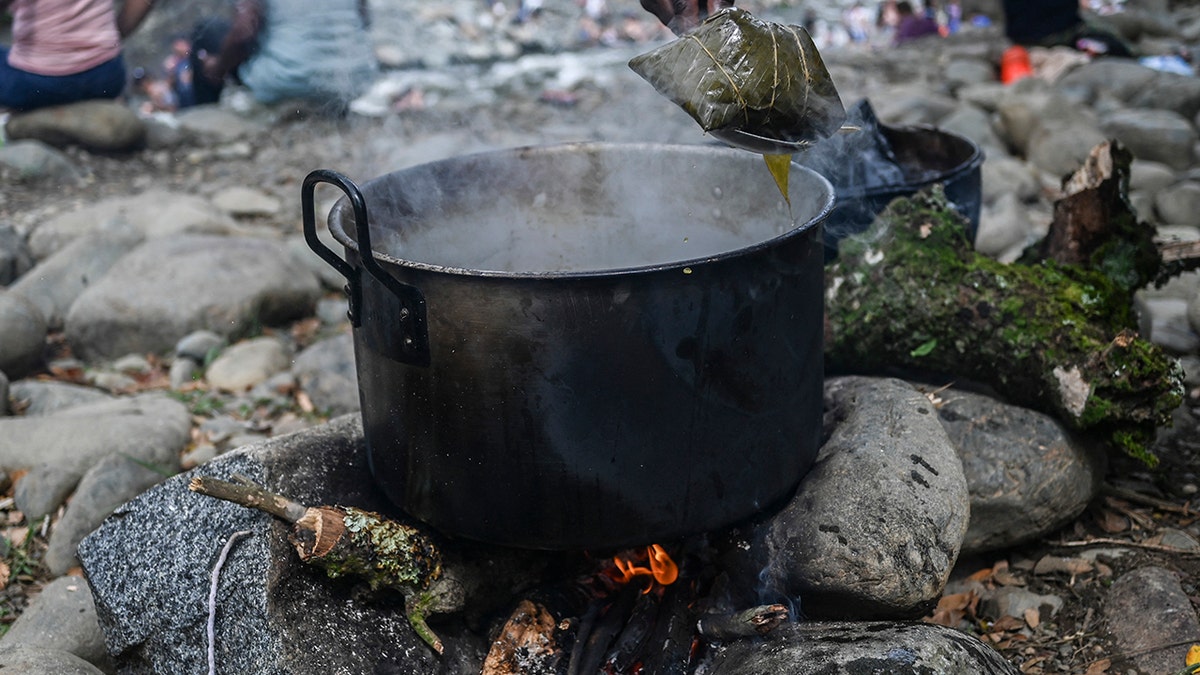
<point x="585" y="345"/>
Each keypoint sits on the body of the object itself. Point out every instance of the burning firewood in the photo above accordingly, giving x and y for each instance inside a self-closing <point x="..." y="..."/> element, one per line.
<point x="1054" y="331"/>
<point x="345" y="541"/>
<point x="749" y="623"/>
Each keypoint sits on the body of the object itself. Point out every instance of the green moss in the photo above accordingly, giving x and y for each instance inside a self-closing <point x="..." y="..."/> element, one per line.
<point x="918" y="287"/>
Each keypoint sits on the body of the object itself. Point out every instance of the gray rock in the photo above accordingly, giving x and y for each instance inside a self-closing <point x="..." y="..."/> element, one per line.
<point x="64" y="275"/>
<point x="171" y="286"/>
<point x="154" y="213"/>
<point x="59" y="448"/>
<point x="1164" y="321"/>
<point x="1059" y="148"/>
<point x="1003" y="175"/>
<point x="269" y="604"/>
<point x="4" y="383"/>
<point x="298" y="247"/>
<point x="44" y="488"/>
<point x="15" y="257"/>
<point x="62" y="617"/>
<point x="967" y="71"/>
<point x="43" y="397"/>
<point x="1015" y="601"/>
<point x="1149" y="176"/>
<point x="108" y="484"/>
<point x="210" y="125"/>
<point x="38" y="661"/>
<point x="1178" y="204"/>
<point x="974" y="124"/>
<point x="333" y="311"/>
<point x="1026" y="474"/>
<point x="853" y="648"/>
<point x="36" y="162"/>
<point x="240" y="200"/>
<point x="985" y="95"/>
<point x="1193" y="313"/>
<point x="1025" y="109"/>
<point x="1005" y="228"/>
<point x="1155" y="135"/>
<point x="1151" y="618"/>
<point x="906" y="106"/>
<point x="1177" y="93"/>
<point x="326" y="372"/>
<point x="247" y="363"/>
<point x="24" y="330"/>
<point x="183" y="371"/>
<point x="877" y="524"/>
<point x="1122" y="78"/>
<point x="199" y="346"/>
<point x="98" y="125"/>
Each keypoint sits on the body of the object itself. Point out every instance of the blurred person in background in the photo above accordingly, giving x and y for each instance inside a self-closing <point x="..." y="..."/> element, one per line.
<point x="314" y="50"/>
<point x="65" y="51"/>
<point x="912" y="25"/>
<point x="1053" y="23"/>
<point x="682" y="16"/>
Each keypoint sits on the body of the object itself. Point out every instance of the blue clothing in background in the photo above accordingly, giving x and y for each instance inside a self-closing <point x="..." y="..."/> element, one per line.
<point x="22" y="90"/>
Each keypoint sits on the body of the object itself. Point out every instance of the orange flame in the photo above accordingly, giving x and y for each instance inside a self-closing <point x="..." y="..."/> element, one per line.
<point x="660" y="567"/>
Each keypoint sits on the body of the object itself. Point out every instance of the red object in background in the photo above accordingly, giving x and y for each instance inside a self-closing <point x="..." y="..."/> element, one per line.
<point x="1014" y="64"/>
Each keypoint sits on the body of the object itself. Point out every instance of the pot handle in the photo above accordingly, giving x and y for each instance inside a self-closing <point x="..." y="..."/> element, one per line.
<point x="396" y="324"/>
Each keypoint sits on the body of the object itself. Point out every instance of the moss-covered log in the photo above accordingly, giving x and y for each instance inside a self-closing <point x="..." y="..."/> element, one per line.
<point x="914" y="294"/>
<point x="345" y="541"/>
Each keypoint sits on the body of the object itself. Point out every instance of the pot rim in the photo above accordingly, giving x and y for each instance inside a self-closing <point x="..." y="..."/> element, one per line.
<point x="342" y="236"/>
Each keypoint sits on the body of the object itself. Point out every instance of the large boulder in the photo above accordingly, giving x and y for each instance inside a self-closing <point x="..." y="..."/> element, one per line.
<point x="97" y="125"/>
<point x="171" y="286"/>
<point x="877" y="525"/>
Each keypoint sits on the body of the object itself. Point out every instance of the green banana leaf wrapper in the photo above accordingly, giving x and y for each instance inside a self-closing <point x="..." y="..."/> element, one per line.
<point x="737" y="72"/>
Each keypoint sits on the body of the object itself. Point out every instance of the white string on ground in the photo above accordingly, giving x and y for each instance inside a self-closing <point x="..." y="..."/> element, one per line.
<point x="212" y="599"/>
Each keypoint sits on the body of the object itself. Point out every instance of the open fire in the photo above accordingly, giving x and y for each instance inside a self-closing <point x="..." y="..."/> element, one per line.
<point x="653" y="561"/>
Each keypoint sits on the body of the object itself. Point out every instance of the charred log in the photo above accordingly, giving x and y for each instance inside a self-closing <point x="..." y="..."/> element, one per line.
<point x="1056" y="337"/>
<point x="752" y="622"/>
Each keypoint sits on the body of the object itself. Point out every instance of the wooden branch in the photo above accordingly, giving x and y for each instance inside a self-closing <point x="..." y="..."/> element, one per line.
<point x="345" y="541"/>
<point x="250" y="495"/>
<point x="1145" y="500"/>
<point x="752" y="622"/>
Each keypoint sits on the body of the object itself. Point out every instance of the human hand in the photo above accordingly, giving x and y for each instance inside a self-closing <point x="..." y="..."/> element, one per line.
<point x="683" y="15"/>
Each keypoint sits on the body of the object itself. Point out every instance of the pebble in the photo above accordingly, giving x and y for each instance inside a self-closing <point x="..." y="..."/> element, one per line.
<point x="1152" y="619"/>
<point x="199" y="346"/>
<point x="15" y="257"/>
<point x="241" y="202"/>
<point x="39" y="661"/>
<point x="245" y="364"/>
<point x="43" y="397"/>
<point x="34" y="161"/>
<point x="62" y="617"/>
<point x="24" y="329"/>
<point x="326" y="372"/>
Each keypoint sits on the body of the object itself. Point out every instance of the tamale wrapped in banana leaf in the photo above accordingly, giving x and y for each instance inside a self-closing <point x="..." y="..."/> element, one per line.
<point x="756" y="84"/>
